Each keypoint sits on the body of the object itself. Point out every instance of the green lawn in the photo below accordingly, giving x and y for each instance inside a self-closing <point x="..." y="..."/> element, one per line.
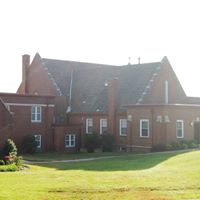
<point x="174" y="175"/>
<point x="68" y="156"/>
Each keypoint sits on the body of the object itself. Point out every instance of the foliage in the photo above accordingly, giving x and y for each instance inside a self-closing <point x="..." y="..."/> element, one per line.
<point x="107" y="142"/>
<point x="91" y="141"/>
<point x="182" y="144"/>
<point x="18" y="160"/>
<point x="29" y="145"/>
<point x="9" y="168"/>
<point x="2" y="162"/>
<point x="9" y="148"/>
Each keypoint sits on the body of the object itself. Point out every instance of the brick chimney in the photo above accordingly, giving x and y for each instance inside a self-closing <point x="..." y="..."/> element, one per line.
<point x="25" y="65"/>
<point x="112" y="105"/>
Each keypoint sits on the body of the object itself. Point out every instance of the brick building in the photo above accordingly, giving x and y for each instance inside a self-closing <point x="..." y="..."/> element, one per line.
<point x="142" y="105"/>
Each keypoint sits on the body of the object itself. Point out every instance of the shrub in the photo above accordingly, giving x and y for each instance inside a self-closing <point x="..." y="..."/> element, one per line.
<point x="18" y="160"/>
<point x="9" y="148"/>
<point x="192" y="144"/>
<point x="169" y="147"/>
<point x="91" y="141"/>
<point x="175" y="145"/>
<point x="9" y="168"/>
<point x="8" y="159"/>
<point x="158" y="147"/>
<point x="107" y="142"/>
<point x="183" y="144"/>
<point x="2" y="162"/>
<point x="29" y="145"/>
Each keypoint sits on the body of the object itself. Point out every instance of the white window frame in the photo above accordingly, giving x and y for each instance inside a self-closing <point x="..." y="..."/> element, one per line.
<point x="102" y="121"/>
<point x="68" y="140"/>
<point x="87" y="125"/>
<point x="36" y="120"/>
<point x="182" y="128"/>
<point x="141" y="128"/>
<point x="120" y="127"/>
<point x="38" y="140"/>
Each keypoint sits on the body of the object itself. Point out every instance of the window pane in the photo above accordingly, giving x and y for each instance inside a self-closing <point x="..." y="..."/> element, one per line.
<point x="145" y="125"/>
<point x="144" y="128"/>
<point x="104" y="130"/>
<point x="70" y="140"/>
<point x="144" y="132"/>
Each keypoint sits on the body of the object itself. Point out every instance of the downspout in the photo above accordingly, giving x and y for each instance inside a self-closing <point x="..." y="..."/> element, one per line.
<point x="69" y="108"/>
<point x="152" y="127"/>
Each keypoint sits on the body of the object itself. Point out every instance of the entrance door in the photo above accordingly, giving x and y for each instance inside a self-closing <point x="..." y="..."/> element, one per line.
<point x="197" y="132"/>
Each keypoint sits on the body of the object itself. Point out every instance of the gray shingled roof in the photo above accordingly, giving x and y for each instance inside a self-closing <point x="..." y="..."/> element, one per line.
<point x="89" y="92"/>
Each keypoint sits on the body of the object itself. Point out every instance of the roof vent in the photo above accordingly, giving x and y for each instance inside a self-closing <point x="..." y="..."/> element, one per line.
<point x="129" y="60"/>
<point x="139" y="60"/>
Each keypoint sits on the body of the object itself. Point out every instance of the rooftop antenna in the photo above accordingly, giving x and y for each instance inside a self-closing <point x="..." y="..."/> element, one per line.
<point x="139" y="60"/>
<point x="129" y="60"/>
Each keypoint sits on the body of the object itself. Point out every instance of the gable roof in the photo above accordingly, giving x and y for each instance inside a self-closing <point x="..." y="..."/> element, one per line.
<point x="89" y="92"/>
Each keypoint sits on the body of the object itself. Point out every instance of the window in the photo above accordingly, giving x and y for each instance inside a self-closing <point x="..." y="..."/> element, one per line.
<point x="179" y="129"/>
<point x="36" y="112"/>
<point x="89" y="125"/>
<point x="123" y="127"/>
<point x="38" y="140"/>
<point x="144" y="128"/>
<point x="103" y="126"/>
<point x="70" y="140"/>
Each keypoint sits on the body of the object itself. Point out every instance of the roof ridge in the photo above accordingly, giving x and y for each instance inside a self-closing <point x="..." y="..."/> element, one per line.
<point x="102" y="64"/>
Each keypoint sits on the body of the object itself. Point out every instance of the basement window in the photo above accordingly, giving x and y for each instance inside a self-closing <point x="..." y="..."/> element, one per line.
<point x="123" y="127"/>
<point x="103" y="126"/>
<point x="144" y="128"/>
<point x="70" y="140"/>
<point x="38" y="140"/>
<point x="89" y="125"/>
<point x="36" y="114"/>
<point x="179" y="129"/>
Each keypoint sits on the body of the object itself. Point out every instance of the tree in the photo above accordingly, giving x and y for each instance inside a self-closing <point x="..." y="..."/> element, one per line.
<point x="9" y="148"/>
<point x="29" y="145"/>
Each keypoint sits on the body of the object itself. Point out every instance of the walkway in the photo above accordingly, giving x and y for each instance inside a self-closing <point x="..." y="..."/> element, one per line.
<point x="69" y="161"/>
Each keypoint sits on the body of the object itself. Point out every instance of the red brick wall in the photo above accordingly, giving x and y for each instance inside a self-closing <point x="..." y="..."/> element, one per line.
<point x="156" y="93"/>
<point x="59" y="138"/>
<point x="81" y="120"/>
<point x="5" y="124"/>
<point x="38" y="80"/>
<point x="163" y="133"/>
<point x="21" y="112"/>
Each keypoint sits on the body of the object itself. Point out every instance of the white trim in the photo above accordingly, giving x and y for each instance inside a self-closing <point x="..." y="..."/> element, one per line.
<point x="36" y="120"/>
<point x="27" y="104"/>
<point x="70" y="145"/>
<point x="182" y="128"/>
<point x="87" y="120"/>
<point x="120" y="127"/>
<point x="40" y="140"/>
<point x="166" y="92"/>
<point x="141" y="121"/>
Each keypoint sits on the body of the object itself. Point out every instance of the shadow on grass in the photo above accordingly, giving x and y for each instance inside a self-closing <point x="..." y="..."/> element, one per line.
<point x="121" y="163"/>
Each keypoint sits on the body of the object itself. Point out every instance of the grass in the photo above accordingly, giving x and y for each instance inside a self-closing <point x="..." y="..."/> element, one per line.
<point x="67" y="156"/>
<point x="161" y="176"/>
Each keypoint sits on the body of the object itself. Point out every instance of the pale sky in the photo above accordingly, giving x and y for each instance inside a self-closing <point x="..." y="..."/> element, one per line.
<point x="101" y="31"/>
